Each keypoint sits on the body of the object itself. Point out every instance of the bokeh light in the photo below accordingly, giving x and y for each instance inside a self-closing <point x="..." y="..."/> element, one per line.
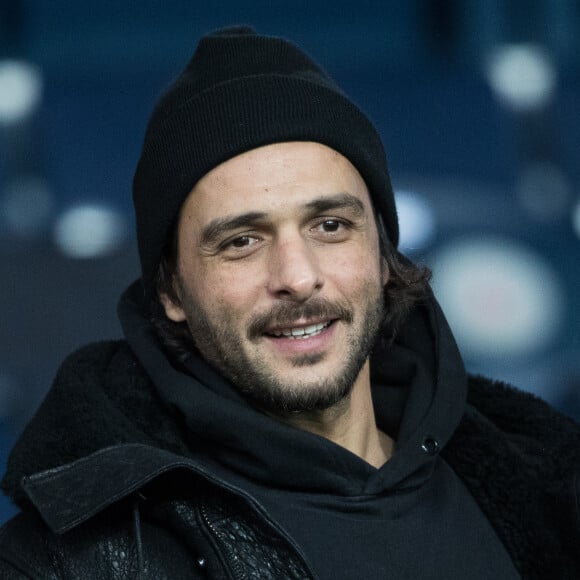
<point x="89" y="231"/>
<point x="502" y="300"/>
<point x="522" y="76"/>
<point x="20" y="90"/>
<point x="416" y="221"/>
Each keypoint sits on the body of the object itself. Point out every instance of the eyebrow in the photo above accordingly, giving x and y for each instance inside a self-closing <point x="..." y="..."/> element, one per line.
<point x="216" y="228"/>
<point x="339" y="201"/>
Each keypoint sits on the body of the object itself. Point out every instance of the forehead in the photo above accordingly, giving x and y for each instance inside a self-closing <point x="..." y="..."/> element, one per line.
<point x="274" y="177"/>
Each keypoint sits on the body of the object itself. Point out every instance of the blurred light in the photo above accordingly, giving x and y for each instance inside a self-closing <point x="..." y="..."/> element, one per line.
<point x="20" y="90"/>
<point x="576" y="218"/>
<point x="416" y="221"/>
<point x="501" y="299"/>
<point x="523" y="76"/>
<point x="26" y="206"/>
<point x="544" y="191"/>
<point x="89" y="231"/>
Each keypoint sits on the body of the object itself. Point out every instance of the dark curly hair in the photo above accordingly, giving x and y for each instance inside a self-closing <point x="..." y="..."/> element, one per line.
<point x="407" y="285"/>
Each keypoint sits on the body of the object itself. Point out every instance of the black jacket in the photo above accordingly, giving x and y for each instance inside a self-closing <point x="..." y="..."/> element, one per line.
<point x="134" y="503"/>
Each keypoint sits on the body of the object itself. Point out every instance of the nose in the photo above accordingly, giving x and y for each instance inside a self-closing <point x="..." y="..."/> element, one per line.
<point x="294" y="271"/>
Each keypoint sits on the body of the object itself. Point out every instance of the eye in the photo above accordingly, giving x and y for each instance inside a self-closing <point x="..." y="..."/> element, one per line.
<point x="331" y="226"/>
<point x="242" y="242"/>
<point x="330" y="230"/>
<point x="239" y="246"/>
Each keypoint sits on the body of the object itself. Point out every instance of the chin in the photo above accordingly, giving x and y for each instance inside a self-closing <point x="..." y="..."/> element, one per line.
<point x="305" y="396"/>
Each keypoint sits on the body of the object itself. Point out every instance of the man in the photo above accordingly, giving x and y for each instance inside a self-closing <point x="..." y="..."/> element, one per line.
<point x="289" y="401"/>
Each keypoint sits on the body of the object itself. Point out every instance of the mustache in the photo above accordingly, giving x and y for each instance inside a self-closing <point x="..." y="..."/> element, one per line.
<point x="286" y="313"/>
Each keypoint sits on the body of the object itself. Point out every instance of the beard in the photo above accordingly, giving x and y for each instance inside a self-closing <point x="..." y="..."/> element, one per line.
<point x="271" y="389"/>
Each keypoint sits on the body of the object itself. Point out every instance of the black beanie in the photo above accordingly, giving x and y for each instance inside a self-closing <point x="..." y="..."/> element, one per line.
<point x="241" y="91"/>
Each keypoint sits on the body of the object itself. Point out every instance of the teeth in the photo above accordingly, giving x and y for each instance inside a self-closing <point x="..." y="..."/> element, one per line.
<point x="303" y="332"/>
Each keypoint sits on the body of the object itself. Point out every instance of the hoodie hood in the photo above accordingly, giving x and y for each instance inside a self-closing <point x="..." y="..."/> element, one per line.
<point x="419" y="395"/>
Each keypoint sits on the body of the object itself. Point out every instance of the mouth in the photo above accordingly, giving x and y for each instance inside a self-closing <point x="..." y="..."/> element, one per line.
<point x="300" y="332"/>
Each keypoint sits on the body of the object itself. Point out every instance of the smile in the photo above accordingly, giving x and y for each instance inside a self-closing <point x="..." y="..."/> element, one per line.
<point x="302" y="331"/>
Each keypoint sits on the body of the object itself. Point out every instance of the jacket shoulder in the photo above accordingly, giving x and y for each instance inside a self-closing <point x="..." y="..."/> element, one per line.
<point x="520" y="459"/>
<point x="93" y="352"/>
<point x="99" y="361"/>
<point x="519" y="413"/>
<point x="101" y="397"/>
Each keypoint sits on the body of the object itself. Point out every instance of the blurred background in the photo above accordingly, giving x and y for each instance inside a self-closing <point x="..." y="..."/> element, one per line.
<point x="478" y="105"/>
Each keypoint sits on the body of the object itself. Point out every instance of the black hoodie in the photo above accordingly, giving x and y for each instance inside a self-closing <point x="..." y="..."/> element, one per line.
<point x="348" y="517"/>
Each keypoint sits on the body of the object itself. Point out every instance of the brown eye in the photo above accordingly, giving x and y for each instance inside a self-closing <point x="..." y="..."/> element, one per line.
<point x="330" y="225"/>
<point x="241" y="242"/>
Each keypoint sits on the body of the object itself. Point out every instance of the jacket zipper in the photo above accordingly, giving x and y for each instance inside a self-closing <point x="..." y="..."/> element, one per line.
<point x="233" y="562"/>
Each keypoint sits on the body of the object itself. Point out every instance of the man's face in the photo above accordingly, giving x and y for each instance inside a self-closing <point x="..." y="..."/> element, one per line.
<point x="279" y="275"/>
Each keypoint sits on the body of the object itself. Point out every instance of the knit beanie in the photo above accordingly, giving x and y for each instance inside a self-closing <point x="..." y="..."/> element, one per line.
<point x="238" y="92"/>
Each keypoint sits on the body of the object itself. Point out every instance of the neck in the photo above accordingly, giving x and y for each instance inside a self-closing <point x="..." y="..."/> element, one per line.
<point x="350" y="423"/>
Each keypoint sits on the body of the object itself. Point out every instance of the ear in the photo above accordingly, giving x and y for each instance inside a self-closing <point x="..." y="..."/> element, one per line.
<point x="384" y="271"/>
<point x="173" y="310"/>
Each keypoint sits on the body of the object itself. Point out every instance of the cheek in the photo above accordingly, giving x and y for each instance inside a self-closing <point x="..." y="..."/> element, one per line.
<point x="355" y="267"/>
<point x="230" y="291"/>
<point x="356" y="284"/>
